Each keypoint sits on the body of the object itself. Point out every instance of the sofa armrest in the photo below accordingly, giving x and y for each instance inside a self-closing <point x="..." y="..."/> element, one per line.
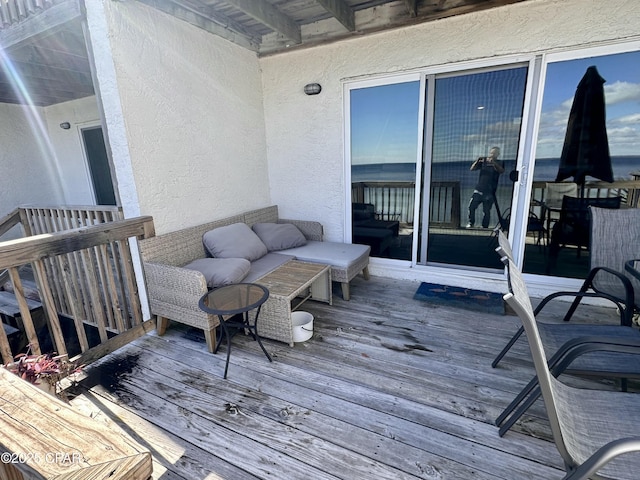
<point x="175" y="286"/>
<point x="311" y="230"/>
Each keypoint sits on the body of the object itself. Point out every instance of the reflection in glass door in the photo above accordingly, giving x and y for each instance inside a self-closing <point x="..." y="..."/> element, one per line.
<point x="544" y="254"/>
<point x="454" y="119"/>
<point x="472" y="132"/>
<point x="384" y="150"/>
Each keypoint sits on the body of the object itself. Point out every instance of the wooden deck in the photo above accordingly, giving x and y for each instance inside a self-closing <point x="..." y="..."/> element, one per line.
<point x="387" y="388"/>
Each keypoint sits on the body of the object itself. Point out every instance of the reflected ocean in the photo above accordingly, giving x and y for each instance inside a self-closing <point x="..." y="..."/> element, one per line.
<point x="545" y="170"/>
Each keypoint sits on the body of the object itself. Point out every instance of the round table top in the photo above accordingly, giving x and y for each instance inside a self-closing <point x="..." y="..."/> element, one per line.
<point x="235" y="298"/>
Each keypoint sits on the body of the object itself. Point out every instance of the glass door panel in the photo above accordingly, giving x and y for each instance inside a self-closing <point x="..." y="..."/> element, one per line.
<point x="621" y="75"/>
<point x="470" y="163"/>
<point x="384" y="150"/>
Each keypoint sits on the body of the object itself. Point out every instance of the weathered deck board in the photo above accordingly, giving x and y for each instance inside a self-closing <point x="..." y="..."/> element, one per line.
<point x="388" y="387"/>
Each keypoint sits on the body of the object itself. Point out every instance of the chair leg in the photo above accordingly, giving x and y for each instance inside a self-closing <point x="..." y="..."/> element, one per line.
<point x="517" y="401"/>
<point x="210" y="337"/>
<point x="513" y="340"/>
<point x="535" y="394"/>
<point x="161" y="324"/>
<point x="345" y="291"/>
<point x="365" y="273"/>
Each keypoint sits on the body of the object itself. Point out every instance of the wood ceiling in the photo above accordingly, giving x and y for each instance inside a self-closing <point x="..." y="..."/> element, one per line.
<point x="44" y="56"/>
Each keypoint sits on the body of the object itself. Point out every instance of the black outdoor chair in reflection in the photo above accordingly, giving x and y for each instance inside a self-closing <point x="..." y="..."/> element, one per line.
<point x="370" y="230"/>
<point x="572" y="228"/>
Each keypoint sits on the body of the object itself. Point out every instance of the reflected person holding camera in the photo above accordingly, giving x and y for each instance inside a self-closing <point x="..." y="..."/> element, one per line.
<point x="484" y="193"/>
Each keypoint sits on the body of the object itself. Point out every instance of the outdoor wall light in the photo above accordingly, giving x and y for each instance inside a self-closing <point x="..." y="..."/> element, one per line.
<point x="65" y="125"/>
<point x="312" y="88"/>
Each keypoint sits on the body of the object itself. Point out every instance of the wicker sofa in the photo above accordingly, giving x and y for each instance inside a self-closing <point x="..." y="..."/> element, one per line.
<point x="174" y="291"/>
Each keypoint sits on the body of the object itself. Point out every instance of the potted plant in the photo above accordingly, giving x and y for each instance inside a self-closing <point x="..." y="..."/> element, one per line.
<point x="44" y="370"/>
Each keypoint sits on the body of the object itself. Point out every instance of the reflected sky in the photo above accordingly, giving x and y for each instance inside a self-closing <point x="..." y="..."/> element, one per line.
<point x="384" y="119"/>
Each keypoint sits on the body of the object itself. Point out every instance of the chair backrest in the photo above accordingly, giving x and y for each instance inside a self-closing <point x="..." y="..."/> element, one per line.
<point x="574" y="222"/>
<point x="504" y="247"/>
<point x="555" y="191"/>
<point x="558" y="410"/>
<point x="615" y="239"/>
<point x="363" y="211"/>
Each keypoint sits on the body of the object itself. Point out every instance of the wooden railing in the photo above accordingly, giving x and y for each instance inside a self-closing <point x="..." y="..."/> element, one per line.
<point x="444" y="207"/>
<point x="392" y="200"/>
<point x="83" y="268"/>
<point x="629" y="190"/>
<point x="395" y="201"/>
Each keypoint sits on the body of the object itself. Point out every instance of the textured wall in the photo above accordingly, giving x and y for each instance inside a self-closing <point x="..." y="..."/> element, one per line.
<point x="74" y="171"/>
<point x="28" y="159"/>
<point x="192" y="111"/>
<point x="305" y="134"/>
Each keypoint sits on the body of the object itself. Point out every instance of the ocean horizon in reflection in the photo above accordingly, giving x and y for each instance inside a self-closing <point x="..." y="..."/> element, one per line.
<point x="545" y="170"/>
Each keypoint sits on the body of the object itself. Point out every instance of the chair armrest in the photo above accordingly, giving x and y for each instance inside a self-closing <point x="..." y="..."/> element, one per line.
<point x="576" y="347"/>
<point x="580" y="295"/>
<point x="177" y="286"/>
<point x="624" y="305"/>
<point x="310" y="229"/>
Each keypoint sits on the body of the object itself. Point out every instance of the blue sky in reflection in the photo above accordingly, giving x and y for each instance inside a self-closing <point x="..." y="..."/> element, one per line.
<point x="384" y="119"/>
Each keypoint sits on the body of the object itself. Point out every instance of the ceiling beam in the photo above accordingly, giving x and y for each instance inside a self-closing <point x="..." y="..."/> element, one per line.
<point x="210" y="13"/>
<point x="222" y="27"/>
<point x="412" y="7"/>
<point x="42" y="22"/>
<point x="270" y="16"/>
<point x="343" y="12"/>
<point x="54" y="85"/>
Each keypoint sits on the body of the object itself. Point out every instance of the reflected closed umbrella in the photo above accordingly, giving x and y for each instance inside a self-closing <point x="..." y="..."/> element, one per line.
<point x="586" y="145"/>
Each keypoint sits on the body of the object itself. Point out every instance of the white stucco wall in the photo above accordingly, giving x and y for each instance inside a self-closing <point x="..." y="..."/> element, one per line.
<point x="74" y="171"/>
<point x="191" y="107"/>
<point x="305" y="133"/>
<point x="28" y="160"/>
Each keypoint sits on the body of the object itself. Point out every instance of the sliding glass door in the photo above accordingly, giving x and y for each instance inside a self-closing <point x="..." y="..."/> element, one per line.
<point x="472" y="135"/>
<point x="414" y="142"/>
<point x="619" y="75"/>
<point x="385" y="136"/>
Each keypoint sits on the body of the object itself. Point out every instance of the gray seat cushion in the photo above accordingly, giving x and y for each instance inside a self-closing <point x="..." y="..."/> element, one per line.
<point x="341" y="255"/>
<point x="266" y="264"/>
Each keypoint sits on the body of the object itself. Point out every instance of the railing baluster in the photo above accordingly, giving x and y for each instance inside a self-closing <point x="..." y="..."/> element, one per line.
<point x="73" y="301"/>
<point x="25" y="314"/>
<point x="5" y="348"/>
<point x="46" y="298"/>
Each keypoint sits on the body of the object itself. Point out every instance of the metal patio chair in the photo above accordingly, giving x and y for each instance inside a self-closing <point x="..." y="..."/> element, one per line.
<point x="608" y="253"/>
<point x="572" y="346"/>
<point x="595" y="431"/>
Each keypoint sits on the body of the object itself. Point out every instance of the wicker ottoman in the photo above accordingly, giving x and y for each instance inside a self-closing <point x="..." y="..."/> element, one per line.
<point x="346" y="259"/>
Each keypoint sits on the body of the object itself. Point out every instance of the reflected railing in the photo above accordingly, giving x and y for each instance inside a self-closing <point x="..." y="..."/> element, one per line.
<point x="396" y="200"/>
